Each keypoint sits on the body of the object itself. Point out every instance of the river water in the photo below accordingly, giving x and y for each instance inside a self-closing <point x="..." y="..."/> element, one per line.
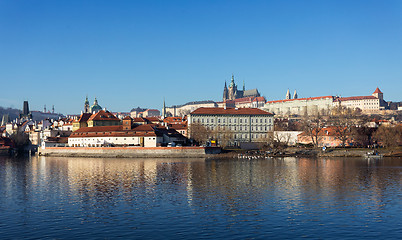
<point x="87" y="198"/>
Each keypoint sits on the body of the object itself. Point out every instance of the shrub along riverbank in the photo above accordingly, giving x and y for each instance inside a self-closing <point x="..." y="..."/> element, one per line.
<point x="311" y="152"/>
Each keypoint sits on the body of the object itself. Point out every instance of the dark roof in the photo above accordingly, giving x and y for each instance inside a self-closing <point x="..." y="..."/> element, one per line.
<point x="193" y="103"/>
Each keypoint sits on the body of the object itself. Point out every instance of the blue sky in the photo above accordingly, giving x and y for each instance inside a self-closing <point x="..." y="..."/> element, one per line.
<point x="136" y="53"/>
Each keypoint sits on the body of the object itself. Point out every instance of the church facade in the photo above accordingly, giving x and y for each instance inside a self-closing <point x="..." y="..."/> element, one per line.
<point x="232" y="92"/>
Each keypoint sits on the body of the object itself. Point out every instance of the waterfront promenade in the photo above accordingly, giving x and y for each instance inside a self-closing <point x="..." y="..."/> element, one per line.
<point x="137" y="152"/>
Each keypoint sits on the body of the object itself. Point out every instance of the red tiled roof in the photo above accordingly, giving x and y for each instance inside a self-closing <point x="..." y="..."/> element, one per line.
<point x="230" y="111"/>
<point x="139" y="120"/>
<point x="355" y="98"/>
<point x="100" y="129"/>
<point x="152" y="119"/>
<point x="103" y="116"/>
<point x="173" y="120"/>
<point x="113" y="131"/>
<point x="179" y="126"/>
<point x="144" y="127"/>
<point x="127" y="118"/>
<point x="327" y="131"/>
<point x="377" y="90"/>
<point x="250" y="99"/>
<point x="299" y="99"/>
<point x="84" y="117"/>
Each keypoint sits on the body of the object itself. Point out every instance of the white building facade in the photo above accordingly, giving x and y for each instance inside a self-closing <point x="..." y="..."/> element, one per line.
<point x="300" y="106"/>
<point x="246" y="124"/>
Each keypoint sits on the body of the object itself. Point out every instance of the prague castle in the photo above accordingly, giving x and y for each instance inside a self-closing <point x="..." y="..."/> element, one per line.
<point x="232" y="93"/>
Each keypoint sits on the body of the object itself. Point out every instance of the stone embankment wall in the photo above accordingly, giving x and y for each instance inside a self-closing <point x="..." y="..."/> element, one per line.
<point x="143" y="152"/>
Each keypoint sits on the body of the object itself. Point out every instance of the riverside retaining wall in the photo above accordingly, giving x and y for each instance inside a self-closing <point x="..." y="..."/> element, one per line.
<point x="140" y="152"/>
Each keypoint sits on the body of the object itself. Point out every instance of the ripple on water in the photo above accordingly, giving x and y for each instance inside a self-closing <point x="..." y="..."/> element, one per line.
<point x="182" y="199"/>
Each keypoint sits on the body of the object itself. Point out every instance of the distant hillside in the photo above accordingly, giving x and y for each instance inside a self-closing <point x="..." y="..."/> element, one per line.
<point x="12" y="113"/>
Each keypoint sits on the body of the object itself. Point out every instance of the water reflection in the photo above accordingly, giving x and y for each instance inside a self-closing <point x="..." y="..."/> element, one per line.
<point x="268" y="197"/>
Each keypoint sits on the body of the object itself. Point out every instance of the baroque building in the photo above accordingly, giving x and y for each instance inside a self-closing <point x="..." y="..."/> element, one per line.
<point x="91" y="109"/>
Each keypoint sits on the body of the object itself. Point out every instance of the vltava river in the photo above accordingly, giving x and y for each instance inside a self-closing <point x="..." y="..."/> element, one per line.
<point x="85" y="198"/>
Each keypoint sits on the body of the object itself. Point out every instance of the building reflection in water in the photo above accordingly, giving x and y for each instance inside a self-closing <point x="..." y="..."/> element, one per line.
<point x="293" y="185"/>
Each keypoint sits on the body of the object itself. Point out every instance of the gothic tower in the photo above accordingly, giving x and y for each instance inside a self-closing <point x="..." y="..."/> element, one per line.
<point x="295" y="95"/>
<point x="232" y="89"/>
<point x="225" y="92"/>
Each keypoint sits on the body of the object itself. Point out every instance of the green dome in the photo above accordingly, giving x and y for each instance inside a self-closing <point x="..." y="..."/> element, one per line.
<point x="95" y="107"/>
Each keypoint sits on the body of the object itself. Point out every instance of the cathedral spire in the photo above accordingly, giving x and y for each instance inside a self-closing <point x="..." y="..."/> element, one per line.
<point x="232" y="84"/>
<point x="288" y="95"/>
<point x="225" y="92"/>
<point x="295" y="95"/>
<point x="244" y="86"/>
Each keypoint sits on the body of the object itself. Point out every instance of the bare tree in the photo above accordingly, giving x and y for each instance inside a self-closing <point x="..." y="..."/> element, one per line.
<point x="198" y="132"/>
<point x="223" y="135"/>
<point x="283" y="138"/>
<point x="21" y="140"/>
<point x="345" y="122"/>
<point x="342" y="121"/>
<point x="312" y="126"/>
<point x="389" y="136"/>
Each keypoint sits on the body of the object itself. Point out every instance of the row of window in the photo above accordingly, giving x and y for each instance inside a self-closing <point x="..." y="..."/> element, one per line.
<point x="242" y="128"/>
<point x="223" y="120"/>
<point x="92" y="139"/>
<point x="247" y="136"/>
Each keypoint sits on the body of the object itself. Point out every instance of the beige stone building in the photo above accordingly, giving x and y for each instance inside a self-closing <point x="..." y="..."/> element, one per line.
<point x="300" y="106"/>
<point x="324" y="104"/>
<point x="246" y="124"/>
<point x="374" y="102"/>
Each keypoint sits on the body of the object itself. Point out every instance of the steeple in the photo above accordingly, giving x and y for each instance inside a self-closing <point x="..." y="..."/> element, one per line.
<point x="232" y="84"/>
<point x="86" y="105"/>
<point x="164" y="109"/>
<point x="295" y="95"/>
<point x="244" y="86"/>
<point x="288" y="95"/>
<point x="225" y="92"/>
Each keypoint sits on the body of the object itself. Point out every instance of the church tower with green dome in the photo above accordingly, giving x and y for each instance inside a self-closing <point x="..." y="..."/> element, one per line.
<point x="95" y="108"/>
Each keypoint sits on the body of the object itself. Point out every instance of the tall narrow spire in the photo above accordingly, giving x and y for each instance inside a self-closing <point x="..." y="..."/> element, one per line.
<point x="86" y="105"/>
<point x="225" y="92"/>
<point x="295" y="95"/>
<point x="164" y="109"/>
<point x="244" y="86"/>
<point x="232" y="84"/>
<point x="288" y="95"/>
